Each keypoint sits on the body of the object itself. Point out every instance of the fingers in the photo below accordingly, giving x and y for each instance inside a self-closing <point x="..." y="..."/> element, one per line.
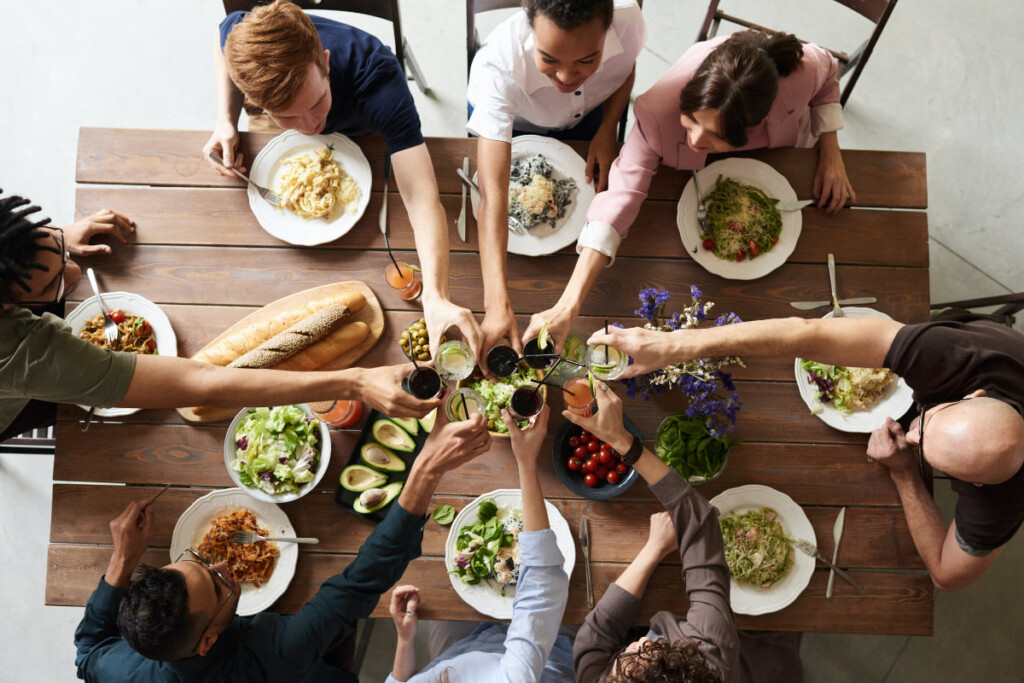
<point x="509" y="422"/>
<point x="414" y="602"/>
<point x="577" y="420"/>
<point x="108" y="228"/>
<point x="591" y="162"/>
<point x="602" y="183"/>
<point x="147" y="521"/>
<point x="819" y="181"/>
<point x="849" y="188"/>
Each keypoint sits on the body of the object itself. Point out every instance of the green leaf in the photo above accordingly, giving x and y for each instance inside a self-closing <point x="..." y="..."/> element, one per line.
<point x="444" y="514"/>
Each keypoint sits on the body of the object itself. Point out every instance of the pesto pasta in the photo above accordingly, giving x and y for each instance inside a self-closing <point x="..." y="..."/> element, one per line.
<point x="756" y="547"/>
<point x="742" y="221"/>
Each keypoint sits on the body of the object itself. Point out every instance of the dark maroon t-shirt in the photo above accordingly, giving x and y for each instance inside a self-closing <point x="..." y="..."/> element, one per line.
<point x="945" y="361"/>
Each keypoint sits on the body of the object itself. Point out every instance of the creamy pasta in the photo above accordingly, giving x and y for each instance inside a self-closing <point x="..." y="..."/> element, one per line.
<point x="314" y="186"/>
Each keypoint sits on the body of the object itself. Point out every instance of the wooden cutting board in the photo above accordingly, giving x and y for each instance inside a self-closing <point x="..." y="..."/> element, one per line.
<point x="371" y="314"/>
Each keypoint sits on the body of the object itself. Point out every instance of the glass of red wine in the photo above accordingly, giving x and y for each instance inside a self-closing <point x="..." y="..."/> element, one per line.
<point x="538" y="358"/>
<point x="526" y="402"/>
<point x="502" y="360"/>
<point x="424" y="383"/>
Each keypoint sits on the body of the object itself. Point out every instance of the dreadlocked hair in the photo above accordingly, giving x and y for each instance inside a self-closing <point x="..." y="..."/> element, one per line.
<point x="662" y="662"/>
<point x="18" y="245"/>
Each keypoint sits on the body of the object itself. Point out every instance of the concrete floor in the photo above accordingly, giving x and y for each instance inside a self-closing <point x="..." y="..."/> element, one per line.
<point x="943" y="80"/>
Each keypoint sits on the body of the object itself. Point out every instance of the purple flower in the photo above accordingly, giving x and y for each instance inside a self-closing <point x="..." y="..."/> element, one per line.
<point x="243" y="443"/>
<point x="694" y="292"/>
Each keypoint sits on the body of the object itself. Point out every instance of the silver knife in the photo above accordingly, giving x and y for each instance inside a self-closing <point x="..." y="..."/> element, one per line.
<point x="794" y="206"/>
<point x="384" y="201"/>
<point x="461" y="224"/>
<point x="810" y="305"/>
<point x="585" y="544"/>
<point x="837" y="536"/>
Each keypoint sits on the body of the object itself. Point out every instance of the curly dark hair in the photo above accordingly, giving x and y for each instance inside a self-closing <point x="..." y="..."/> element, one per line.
<point x="154" y="617"/>
<point x="571" y="14"/>
<point x="19" y="244"/>
<point x="740" y="79"/>
<point x="662" y="662"/>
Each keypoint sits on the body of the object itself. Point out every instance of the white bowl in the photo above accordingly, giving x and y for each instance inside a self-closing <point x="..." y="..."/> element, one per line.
<point x="229" y="456"/>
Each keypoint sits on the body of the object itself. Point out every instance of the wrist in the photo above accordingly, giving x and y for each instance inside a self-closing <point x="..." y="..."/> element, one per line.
<point x="902" y="477"/>
<point x="621" y="442"/>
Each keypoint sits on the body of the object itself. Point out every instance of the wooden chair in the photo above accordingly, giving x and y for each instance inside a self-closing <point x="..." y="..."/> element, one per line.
<point x="38" y="441"/>
<point x="876" y="11"/>
<point x="1009" y="305"/>
<point x="475" y="7"/>
<point x="382" y="9"/>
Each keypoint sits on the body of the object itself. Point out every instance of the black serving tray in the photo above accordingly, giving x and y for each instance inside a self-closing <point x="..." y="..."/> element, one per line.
<point x="345" y="498"/>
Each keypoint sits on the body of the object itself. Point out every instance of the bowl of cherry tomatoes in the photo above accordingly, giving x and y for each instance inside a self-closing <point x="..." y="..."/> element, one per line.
<point x="588" y="466"/>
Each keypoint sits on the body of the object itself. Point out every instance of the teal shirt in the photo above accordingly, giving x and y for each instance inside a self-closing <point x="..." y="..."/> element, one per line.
<point x="266" y="646"/>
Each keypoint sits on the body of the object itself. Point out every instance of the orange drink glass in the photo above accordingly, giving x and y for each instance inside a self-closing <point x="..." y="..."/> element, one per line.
<point x="403" y="280"/>
<point x="577" y="396"/>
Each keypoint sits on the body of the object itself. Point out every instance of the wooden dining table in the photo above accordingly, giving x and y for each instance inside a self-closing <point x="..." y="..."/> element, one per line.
<point x="200" y="254"/>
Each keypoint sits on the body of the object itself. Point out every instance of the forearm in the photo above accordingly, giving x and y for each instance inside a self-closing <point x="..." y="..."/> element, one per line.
<point x="119" y="570"/>
<point x="650" y="466"/>
<point x="588" y="267"/>
<point x="927" y="526"/>
<point x="169" y="382"/>
<point x="535" y="513"/>
<point x="616" y="103"/>
<point x="493" y="163"/>
<point x="229" y="97"/>
<point x="418" y="489"/>
<point x="414" y="175"/>
<point x="405" y="660"/>
<point x="828" y="143"/>
<point x="636" y="576"/>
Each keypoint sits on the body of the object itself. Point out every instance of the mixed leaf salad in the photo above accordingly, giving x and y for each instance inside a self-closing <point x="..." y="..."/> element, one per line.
<point x="848" y="388"/>
<point x="498" y="394"/>
<point x="488" y="550"/>
<point x="685" y="444"/>
<point x="276" y="449"/>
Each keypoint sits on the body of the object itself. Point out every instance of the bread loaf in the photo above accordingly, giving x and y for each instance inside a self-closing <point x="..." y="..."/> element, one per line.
<point x="235" y="345"/>
<point x="299" y="336"/>
<point x="339" y="341"/>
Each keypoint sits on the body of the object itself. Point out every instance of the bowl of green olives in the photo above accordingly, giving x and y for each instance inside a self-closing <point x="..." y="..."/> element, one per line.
<point x="415" y="342"/>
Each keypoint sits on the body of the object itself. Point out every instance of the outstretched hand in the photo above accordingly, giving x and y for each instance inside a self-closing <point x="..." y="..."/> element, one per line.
<point x="381" y="388"/>
<point x="79" y="234"/>
<point x="649" y="349"/>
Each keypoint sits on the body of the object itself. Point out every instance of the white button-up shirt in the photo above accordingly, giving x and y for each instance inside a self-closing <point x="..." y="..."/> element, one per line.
<point x="508" y="91"/>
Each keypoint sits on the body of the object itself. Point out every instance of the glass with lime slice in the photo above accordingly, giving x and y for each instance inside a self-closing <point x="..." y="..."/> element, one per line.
<point x="454" y="361"/>
<point x="606" y="362"/>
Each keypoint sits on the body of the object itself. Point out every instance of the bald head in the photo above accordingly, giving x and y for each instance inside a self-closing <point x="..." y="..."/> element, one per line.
<point x="980" y="441"/>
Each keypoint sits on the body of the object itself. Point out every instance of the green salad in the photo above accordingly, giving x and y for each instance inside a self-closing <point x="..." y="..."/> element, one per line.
<point x="756" y="547"/>
<point x="276" y="449"/>
<point x="488" y="549"/>
<point x="685" y="444"/>
<point x="498" y="393"/>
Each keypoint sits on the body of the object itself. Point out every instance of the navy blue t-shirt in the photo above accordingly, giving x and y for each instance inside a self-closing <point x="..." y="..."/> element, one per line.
<point x="369" y="92"/>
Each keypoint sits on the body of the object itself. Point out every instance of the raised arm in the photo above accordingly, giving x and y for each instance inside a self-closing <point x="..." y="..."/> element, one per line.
<point x="224" y="140"/>
<point x="414" y="174"/>
<point x="858" y="342"/>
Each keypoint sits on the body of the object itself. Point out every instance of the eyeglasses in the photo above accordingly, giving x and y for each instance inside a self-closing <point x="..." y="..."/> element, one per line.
<point x="57" y="235"/>
<point x="199" y="559"/>
<point x="922" y="409"/>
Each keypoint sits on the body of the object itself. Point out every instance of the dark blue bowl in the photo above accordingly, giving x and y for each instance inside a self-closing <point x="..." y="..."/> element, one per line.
<point x="574" y="480"/>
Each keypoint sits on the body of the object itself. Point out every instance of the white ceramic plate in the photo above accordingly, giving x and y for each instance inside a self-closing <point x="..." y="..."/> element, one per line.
<point x="747" y="599"/>
<point x="543" y="239"/>
<point x="896" y="401"/>
<point x="229" y="456"/>
<point x="482" y="597"/>
<point x="166" y="341"/>
<point x="269" y="166"/>
<point x="748" y="172"/>
<point x="195" y="522"/>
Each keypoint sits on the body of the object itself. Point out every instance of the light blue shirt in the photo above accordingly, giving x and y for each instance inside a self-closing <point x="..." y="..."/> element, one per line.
<point x="529" y="650"/>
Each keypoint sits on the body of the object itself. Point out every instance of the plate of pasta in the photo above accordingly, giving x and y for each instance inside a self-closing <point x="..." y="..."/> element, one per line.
<point x="143" y="327"/>
<point x="323" y="180"/>
<point x="747" y="237"/>
<point x="767" y="572"/>
<point x="548" y="193"/>
<point x="262" y="570"/>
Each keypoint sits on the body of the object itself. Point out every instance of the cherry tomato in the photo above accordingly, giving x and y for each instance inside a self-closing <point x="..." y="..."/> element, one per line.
<point x="601" y="471"/>
<point x="752" y="248"/>
<point x="775" y="240"/>
<point x="580" y="452"/>
<point x="605" y="457"/>
<point x="622" y="468"/>
<point x="574" y="441"/>
<point x="589" y="466"/>
<point x="574" y="464"/>
<point x="586" y="433"/>
<point x="593" y="447"/>
<point x="144" y="329"/>
<point x="740" y="255"/>
<point x="612" y="477"/>
<point x="151" y="344"/>
<point x="590" y="480"/>
<point x="708" y="244"/>
<point x="117" y="315"/>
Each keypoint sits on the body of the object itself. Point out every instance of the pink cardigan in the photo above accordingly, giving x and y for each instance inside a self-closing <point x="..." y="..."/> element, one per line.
<point x="807" y="105"/>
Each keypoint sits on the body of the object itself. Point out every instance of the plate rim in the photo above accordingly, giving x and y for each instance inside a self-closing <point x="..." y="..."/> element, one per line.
<point x="686" y="221"/>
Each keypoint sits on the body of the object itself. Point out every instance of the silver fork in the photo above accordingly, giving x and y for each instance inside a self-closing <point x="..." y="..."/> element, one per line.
<point x="702" y="213"/>
<point x="513" y="223"/>
<point x="110" y="330"/>
<point x="250" y="537"/>
<point x="810" y="549"/>
<point x="272" y="197"/>
<point x="837" y="312"/>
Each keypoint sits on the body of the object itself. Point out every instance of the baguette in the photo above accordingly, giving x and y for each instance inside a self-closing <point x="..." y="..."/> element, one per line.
<point x="236" y="345"/>
<point x="296" y="338"/>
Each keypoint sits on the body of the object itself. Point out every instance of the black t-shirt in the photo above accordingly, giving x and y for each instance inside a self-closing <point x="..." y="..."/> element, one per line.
<point x="945" y="361"/>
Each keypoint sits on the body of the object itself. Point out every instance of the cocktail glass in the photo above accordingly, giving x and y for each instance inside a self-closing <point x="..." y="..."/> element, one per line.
<point x="502" y="360"/>
<point x="425" y="383"/>
<point x="526" y="402"/>
<point x="403" y="280"/>
<point x="454" y="361"/>
<point x="462" y="403"/>
<point x="606" y="361"/>
<point x="577" y="396"/>
<point x="538" y="358"/>
<point x="338" y="414"/>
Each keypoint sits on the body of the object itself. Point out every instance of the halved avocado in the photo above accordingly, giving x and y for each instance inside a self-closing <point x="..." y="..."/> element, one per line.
<point x="359" y="478"/>
<point x="380" y="458"/>
<point x="387" y="433"/>
<point x="372" y="500"/>
<point x="408" y="424"/>
<point x="428" y="422"/>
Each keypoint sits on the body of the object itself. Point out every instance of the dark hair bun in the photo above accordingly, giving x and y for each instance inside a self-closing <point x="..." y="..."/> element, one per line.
<point x="783" y="49"/>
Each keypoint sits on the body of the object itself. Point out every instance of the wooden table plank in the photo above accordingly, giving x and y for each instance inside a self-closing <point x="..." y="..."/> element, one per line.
<point x="221" y="217"/>
<point x="254" y="277"/>
<point x="894" y="603"/>
<point x="173" y="158"/>
<point x="876" y="538"/>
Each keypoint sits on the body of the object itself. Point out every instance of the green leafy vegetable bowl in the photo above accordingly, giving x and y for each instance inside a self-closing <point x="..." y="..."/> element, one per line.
<point x="685" y="444"/>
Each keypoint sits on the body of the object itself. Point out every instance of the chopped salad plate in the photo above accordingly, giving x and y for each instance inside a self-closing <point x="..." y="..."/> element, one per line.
<point x="747" y="599"/>
<point x="271" y="163"/>
<point x="543" y="239"/>
<point x="894" y="402"/>
<point x="193" y="524"/>
<point x="748" y="172"/>
<point x="482" y="597"/>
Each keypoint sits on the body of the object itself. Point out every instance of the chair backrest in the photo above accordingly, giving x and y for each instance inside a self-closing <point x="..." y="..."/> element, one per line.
<point x="382" y="9"/>
<point x="876" y="11"/>
<point x="474" y="7"/>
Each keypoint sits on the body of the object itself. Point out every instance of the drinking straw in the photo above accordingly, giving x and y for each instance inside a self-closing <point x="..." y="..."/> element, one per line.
<point x="390" y="255"/>
<point x="606" y="346"/>
<point x="554" y="355"/>
<point x="464" y="408"/>
<point x="543" y="380"/>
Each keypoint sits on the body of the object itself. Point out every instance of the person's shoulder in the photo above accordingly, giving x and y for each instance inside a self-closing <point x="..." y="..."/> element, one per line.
<point x="336" y="34"/>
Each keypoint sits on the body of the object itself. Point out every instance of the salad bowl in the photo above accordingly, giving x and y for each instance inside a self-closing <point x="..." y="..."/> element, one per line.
<point x="292" y="478"/>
